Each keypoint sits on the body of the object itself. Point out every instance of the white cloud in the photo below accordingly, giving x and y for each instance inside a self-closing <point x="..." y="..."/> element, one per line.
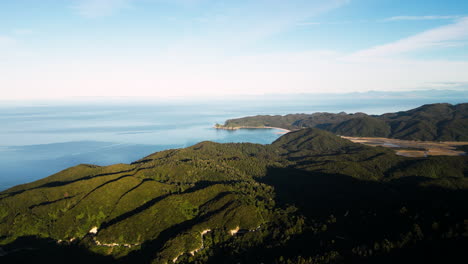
<point x="455" y="34"/>
<point x="99" y="8"/>
<point x="415" y="18"/>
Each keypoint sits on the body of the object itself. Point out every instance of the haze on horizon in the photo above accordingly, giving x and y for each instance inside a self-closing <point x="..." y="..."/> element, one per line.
<point x="56" y="48"/>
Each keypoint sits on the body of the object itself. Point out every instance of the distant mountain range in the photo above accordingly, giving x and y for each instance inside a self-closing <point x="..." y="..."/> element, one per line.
<point x="434" y="122"/>
<point x="309" y="197"/>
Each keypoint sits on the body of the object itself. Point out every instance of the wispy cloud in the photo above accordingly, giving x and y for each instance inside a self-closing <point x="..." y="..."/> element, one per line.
<point x="343" y="22"/>
<point x="415" y="18"/>
<point x="12" y="49"/>
<point x="220" y="29"/>
<point x="448" y="85"/>
<point x="99" y="8"/>
<point x="308" y="23"/>
<point x="455" y="34"/>
<point x="6" y="41"/>
<point x="390" y="19"/>
<point x="22" y="31"/>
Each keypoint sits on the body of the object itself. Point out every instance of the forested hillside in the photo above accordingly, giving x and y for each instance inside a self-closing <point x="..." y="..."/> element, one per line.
<point x="436" y="122"/>
<point x="309" y="197"/>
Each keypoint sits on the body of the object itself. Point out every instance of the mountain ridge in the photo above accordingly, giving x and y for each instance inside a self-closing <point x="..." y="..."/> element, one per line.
<point x="431" y="122"/>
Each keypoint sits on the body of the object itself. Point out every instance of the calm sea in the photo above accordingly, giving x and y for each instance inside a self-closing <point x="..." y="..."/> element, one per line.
<point x="37" y="140"/>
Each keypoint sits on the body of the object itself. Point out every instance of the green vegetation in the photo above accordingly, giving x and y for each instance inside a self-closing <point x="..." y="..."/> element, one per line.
<point x="309" y="197"/>
<point x="436" y="122"/>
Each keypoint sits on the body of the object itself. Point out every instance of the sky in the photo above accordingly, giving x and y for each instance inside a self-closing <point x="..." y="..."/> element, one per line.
<point x="54" y="49"/>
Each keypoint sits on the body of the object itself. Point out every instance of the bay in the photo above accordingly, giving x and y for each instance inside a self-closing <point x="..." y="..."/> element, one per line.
<point x="39" y="139"/>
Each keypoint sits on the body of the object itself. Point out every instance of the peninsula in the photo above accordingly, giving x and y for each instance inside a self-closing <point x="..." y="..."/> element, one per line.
<point x="434" y="122"/>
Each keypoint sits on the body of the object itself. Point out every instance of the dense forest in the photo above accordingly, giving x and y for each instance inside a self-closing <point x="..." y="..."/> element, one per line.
<point x="309" y="197"/>
<point x="435" y="122"/>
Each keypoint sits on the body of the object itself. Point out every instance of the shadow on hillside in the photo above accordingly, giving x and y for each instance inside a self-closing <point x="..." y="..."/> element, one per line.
<point x="197" y="187"/>
<point x="365" y="212"/>
<point x="39" y="250"/>
<point x="53" y="184"/>
<point x="150" y="248"/>
<point x="319" y="194"/>
<point x="451" y="250"/>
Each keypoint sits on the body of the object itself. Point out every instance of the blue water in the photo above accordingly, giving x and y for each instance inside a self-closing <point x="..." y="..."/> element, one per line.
<point x="39" y="140"/>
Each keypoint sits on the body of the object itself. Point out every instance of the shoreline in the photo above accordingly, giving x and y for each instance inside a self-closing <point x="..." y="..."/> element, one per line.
<point x="252" y="127"/>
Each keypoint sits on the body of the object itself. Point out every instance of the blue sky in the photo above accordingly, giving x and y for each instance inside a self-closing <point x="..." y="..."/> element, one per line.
<point x="62" y="48"/>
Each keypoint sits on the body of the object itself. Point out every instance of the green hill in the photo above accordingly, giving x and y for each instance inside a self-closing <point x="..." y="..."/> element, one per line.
<point x="309" y="197"/>
<point x="436" y="122"/>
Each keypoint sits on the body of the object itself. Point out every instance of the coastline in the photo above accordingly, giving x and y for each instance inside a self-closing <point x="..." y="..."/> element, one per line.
<point x="284" y="130"/>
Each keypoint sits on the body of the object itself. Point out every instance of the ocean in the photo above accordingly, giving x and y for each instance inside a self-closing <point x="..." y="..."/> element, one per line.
<point x="40" y="139"/>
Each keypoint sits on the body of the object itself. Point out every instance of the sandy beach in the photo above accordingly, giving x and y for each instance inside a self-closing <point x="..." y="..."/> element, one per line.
<point x="411" y="148"/>
<point x="283" y="130"/>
